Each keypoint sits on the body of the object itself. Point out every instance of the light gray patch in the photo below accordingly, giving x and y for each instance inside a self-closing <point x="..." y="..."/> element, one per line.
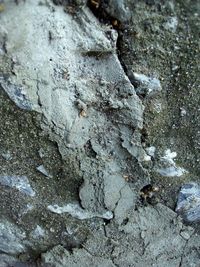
<point x="77" y="212"/>
<point x="11" y="238"/>
<point x="61" y="257"/>
<point x="21" y="183"/>
<point x="43" y="170"/>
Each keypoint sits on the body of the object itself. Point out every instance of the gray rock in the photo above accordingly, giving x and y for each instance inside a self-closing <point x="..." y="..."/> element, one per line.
<point x="132" y="142"/>
<point x="7" y="155"/>
<point x="171" y="24"/>
<point x="51" y="86"/>
<point x="190" y="255"/>
<point x="188" y="204"/>
<point x="149" y="236"/>
<point x="11" y="238"/>
<point x="38" y="232"/>
<point x="60" y="257"/>
<point x="21" y="183"/>
<point x="150" y="151"/>
<point x="65" y="67"/>
<point x="43" y="170"/>
<point x="7" y="260"/>
<point x="146" y="85"/>
<point x="119" y="9"/>
<point x="77" y="212"/>
<point x="167" y="166"/>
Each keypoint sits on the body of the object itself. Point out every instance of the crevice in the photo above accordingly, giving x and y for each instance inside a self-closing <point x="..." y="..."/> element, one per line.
<point x="98" y="9"/>
<point x="118" y="46"/>
<point x="37" y="91"/>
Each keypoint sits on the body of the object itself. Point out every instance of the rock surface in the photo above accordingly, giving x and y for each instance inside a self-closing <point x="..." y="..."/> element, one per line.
<point x="87" y="116"/>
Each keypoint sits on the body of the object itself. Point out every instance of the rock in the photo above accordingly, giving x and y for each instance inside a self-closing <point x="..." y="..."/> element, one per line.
<point x="132" y="142"/>
<point x="119" y="9"/>
<point x="25" y="209"/>
<point x="183" y="112"/>
<point x="67" y="2"/>
<point x="188" y="204"/>
<point x="11" y="238"/>
<point x="60" y="257"/>
<point x="190" y="255"/>
<point x="125" y="204"/>
<point x="77" y="212"/>
<point x="146" y="85"/>
<point x="119" y="197"/>
<point x="151" y="151"/>
<point x="7" y="155"/>
<point x="42" y="170"/>
<point x="21" y="183"/>
<point x="171" y="24"/>
<point x="168" y="166"/>
<point x="171" y="171"/>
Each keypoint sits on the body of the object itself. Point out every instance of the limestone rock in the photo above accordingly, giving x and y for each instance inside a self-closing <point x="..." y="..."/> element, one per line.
<point x="11" y="238"/>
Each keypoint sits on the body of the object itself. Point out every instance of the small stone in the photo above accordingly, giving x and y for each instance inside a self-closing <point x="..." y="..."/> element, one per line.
<point x="7" y="155"/>
<point x="185" y="235"/>
<point x="171" y="24"/>
<point x="147" y="158"/>
<point x="183" y="112"/>
<point x="81" y="105"/>
<point x="168" y="166"/>
<point x="41" y="152"/>
<point x="42" y="169"/>
<point x="11" y="238"/>
<point x="146" y="85"/>
<point x="77" y="212"/>
<point x="151" y="151"/>
<point x="38" y="232"/>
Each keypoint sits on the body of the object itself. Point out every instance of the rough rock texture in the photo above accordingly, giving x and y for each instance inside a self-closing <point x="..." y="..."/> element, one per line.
<point x="161" y="41"/>
<point x="86" y="116"/>
<point x="77" y="96"/>
<point x="79" y="257"/>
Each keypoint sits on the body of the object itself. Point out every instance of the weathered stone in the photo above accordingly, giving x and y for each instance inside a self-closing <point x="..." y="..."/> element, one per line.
<point x="119" y="9"/>
<point x="21" y="183"/>
<point x="11" y="238"/>
<point x="7" y="260"/>
<point x="188" y="204"/>
<point x="77" y="212"/>
<point x="60" y="257"/>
